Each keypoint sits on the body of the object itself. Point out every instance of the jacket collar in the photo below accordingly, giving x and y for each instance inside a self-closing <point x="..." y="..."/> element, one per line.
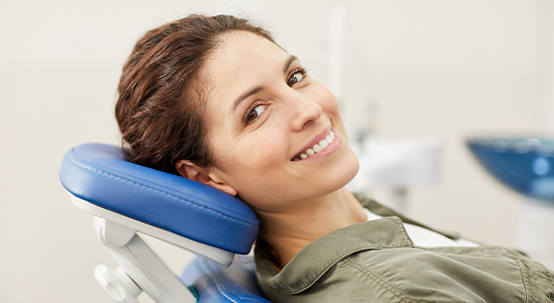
<point x="381" y="210"/>
<point x="314" y="260"/>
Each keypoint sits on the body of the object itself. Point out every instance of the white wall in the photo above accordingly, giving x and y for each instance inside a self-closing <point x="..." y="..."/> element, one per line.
<point x="450" y="69"/>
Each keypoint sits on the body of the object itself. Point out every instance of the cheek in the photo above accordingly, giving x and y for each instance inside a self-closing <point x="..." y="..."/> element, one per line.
<point x="324" y="98"/>
<point x="256" y="166"/>
<point x="264" y="150"/>
<point x="255" y="156"/>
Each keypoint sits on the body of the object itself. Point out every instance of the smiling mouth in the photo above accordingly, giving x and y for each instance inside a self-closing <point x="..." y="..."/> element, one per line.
<point x="318" y="147"/>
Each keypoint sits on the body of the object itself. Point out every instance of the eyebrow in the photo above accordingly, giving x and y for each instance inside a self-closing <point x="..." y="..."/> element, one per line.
<point x="288" y="63"/>
<point x="260" y="88"/>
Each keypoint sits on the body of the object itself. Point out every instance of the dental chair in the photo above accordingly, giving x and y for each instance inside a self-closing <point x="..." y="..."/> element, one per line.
<point x="127" y="199"/>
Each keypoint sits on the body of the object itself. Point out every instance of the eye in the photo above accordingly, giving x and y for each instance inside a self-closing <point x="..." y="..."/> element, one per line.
<point x="296" y="77"/>
<point x="255" y="113"/>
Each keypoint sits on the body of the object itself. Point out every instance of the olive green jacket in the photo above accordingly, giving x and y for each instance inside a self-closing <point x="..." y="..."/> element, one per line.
<point x="376" y="261"/>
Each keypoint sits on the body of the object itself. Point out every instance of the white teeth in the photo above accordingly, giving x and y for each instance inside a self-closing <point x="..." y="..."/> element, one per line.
<point x="323" y="144"/>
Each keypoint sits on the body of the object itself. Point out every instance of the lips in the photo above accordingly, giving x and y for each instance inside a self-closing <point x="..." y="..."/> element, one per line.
<point x="316" y="145"/>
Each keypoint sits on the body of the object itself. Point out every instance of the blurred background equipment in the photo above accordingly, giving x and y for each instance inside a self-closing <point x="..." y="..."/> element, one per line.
<point x="525" y="165"/>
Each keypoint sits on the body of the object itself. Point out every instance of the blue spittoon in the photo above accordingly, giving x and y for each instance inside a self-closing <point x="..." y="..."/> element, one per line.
<point x="525" y="165"/>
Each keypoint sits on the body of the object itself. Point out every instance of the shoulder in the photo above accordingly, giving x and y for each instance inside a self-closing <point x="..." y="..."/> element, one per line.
<point x="354" y="279"/>
<point x="346" y="281"/>
<point x="411" y="274"/>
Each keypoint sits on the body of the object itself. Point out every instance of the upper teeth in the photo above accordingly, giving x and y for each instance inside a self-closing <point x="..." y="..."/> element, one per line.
<point x="323" y="144"/>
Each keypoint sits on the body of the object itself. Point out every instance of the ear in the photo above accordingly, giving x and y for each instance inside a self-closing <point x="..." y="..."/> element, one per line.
<point x="203" y="175"/>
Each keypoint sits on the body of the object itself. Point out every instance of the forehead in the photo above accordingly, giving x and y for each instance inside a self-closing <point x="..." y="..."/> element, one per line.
<point x="241" y="58"/>
<point x="241" y="61"/>
<point x="240" y="48"/>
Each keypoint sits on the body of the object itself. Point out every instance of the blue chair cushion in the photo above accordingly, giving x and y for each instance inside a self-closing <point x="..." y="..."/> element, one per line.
<point x="99" y="174"/>
<point x="216" y="284"/>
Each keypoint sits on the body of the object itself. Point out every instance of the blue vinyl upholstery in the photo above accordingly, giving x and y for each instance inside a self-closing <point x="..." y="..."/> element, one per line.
<point x="99" y="174"/>
<point x="217" y="284"/>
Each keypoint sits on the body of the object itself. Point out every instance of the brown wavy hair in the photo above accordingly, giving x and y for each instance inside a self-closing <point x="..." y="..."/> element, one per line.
<point x="161" y="104"/>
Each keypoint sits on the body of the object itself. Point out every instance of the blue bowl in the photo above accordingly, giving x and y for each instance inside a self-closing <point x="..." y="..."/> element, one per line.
<point x="525" y="165"/>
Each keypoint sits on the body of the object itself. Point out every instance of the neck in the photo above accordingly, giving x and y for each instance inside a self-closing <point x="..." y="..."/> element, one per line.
<point x="291" y="230"/>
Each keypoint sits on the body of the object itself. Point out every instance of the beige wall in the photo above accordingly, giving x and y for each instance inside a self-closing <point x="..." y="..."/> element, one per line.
<point x="449" y="69"/>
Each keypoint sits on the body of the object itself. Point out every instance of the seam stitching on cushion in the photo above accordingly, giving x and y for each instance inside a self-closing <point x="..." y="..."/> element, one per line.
<point x="395" y="291"/>
<point x="157" y="190"/>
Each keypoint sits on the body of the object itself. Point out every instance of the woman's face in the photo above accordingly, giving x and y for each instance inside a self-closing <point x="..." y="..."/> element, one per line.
<point x="265" y="115"/>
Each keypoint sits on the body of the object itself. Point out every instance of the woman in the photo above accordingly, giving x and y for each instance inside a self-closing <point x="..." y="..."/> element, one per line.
<point x="215" y="100"/>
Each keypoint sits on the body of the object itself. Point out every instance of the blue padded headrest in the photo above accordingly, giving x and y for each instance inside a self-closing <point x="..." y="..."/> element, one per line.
<point x="99" y="174"/>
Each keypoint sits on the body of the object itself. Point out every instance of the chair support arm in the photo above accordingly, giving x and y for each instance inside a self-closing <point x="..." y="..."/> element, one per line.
<point x="141" y="264"/>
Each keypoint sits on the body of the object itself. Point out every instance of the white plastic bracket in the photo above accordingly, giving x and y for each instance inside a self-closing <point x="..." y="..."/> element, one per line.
<point x="111" y="233"/>
<point x="140" y="264"/>
<point x="117" y="284"/>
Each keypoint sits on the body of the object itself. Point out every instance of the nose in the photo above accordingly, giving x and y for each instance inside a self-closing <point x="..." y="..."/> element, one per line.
<point x="304" y="111"/>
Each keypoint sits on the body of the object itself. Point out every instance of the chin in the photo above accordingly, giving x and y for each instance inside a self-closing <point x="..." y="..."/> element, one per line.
<point x="354" y="169"/>
<point x="344" y="171"/>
